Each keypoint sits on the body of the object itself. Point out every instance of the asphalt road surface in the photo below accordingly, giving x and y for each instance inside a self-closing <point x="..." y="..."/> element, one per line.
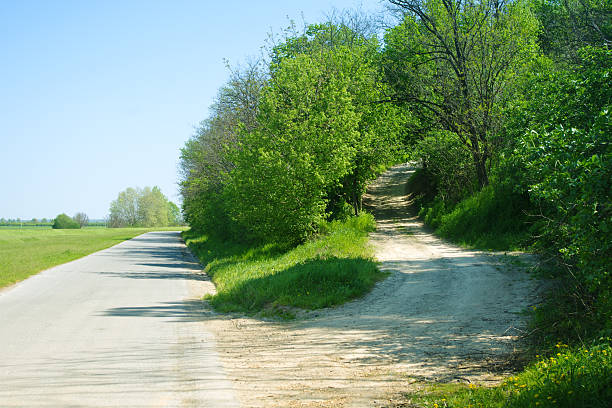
<point x="118" y="328"/>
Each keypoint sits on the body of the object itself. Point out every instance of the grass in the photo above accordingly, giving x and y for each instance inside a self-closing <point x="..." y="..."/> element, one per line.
<point x="26" y="251"/>
<point x="491" y="219"/>
<point x="568" y="378"/>
<point x="273" y="280"/>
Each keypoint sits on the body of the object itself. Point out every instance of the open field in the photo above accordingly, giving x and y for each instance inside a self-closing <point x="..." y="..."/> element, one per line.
<point x="26" y="251"/>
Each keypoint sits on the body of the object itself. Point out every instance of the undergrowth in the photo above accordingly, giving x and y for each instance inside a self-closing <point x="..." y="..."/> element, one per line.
<point x="494" y="218"/>
<point x="273" y="279"/>
<point x="568" y="378"/>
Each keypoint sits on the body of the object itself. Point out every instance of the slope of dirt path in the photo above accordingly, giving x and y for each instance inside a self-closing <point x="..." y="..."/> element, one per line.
<point x="444" y="314"/>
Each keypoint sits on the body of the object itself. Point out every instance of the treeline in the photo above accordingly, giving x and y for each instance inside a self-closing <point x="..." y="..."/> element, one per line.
<point x="143" y="207"/>
<point x="43" y="222"/>
<point x="505" y="104"/>
<point x="293" y="140"/>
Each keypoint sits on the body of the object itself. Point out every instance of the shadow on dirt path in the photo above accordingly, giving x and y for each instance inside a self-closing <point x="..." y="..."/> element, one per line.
<point x="444" y="314"/>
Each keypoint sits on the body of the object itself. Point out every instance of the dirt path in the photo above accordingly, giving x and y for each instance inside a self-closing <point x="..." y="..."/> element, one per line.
<point x="443" y="314"/>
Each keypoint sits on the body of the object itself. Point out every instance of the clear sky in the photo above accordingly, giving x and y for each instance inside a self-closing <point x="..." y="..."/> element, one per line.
<point x="98" y="96"/>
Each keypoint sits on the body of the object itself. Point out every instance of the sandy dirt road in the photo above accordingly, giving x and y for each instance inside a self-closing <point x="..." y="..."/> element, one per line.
<point x="118" y="328"/>
<point x="444" y="313"/>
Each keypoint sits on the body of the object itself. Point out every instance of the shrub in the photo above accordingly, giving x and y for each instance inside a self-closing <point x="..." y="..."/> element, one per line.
<point x="63" y="221"/>
<point x="449" y="165"/>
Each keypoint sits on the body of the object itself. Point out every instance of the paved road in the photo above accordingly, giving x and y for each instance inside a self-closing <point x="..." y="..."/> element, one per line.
<point x="118" y="328"/>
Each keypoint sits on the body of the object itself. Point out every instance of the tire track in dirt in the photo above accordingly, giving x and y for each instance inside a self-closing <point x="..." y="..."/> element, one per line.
<point x="444" y="314"/>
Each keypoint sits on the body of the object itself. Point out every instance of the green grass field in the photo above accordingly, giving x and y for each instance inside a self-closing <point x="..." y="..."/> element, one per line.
<point x="271" y="280"/>
<point x="26" y="251"/>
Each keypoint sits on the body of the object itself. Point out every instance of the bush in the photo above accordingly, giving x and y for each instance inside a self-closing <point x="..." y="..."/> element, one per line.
<point x="567" y="162"/>
<point x="63" y="221"/>
<point x="568" y="378"/>
<point x="448" y="164"/>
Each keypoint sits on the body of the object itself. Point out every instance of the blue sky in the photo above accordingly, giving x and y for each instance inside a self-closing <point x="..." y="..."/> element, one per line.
<point x="98" y="96"/>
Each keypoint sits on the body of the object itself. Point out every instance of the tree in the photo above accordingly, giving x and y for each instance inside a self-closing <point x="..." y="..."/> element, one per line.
<point x="63" y="221"/>
<point x="146" y="207"/>
<point x="124" y="210"/>
<point x="303" y="146"/>
<point x="352" y="39"/>
<point x="81" y="218"/>
<point x="568" y="25"/>
<point x="152" y="208"/>
<point x="454" y="63"/>
<point x="204" y="162"/>
<point x="174" y="214"/>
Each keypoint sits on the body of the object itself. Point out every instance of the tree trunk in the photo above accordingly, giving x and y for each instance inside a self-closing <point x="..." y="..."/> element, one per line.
<point x="480" y="162"/>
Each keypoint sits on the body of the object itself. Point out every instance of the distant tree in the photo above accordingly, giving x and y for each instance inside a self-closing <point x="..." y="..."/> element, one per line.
<point x="146" y="207"/>
<point x="81" y="218"/>
<point x="63" y="221"/>
<point x="44" y="220"/>
<point x="124" y="210"/>
<point x="152" y="208"/>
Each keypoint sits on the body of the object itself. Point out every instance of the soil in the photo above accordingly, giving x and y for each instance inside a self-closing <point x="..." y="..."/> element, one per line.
<point x="443" y="314"/>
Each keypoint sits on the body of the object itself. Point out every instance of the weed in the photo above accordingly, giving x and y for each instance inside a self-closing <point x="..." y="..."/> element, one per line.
<point x="568" y="378"/>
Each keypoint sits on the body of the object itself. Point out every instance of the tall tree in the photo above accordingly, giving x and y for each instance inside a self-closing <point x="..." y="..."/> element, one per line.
<point x="124" y="210"/>
<point x="204" y="162"/>
<point x="146" y="207"/>
<point x="454" y="62"/>
<point x="152" y="208"/>
<point x="304" y="144"/>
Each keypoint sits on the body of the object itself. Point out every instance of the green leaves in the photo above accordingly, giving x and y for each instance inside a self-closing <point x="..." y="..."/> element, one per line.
<point x="304" y="145"/>
<point x="567" y="157"/>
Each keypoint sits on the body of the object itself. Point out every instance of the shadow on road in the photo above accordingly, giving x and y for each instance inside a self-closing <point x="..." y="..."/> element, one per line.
<point x="188" y="310"/>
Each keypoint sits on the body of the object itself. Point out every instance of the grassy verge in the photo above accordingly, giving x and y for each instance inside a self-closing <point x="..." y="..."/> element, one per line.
<point x="491" y="219"/>
<point x="24" y="252"/>
<point x="273" y="280"/>
<point x="568" y="378"/>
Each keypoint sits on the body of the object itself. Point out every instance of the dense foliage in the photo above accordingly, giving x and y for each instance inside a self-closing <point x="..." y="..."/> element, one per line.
<point x="299" y="150"/>
<point x="566" y="162"/>
<point x="505" y="105"/>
